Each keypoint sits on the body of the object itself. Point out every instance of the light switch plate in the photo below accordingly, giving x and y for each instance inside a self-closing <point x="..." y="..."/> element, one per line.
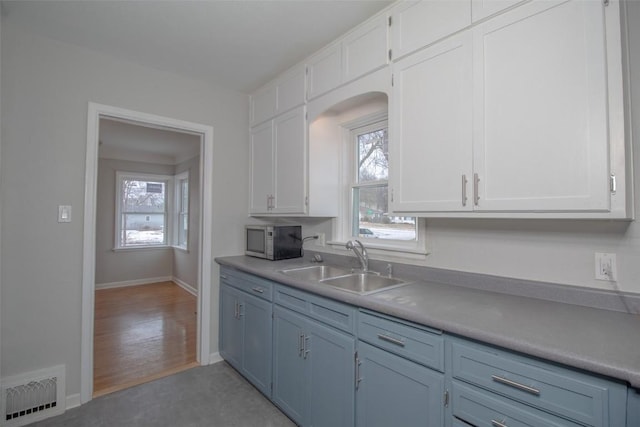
<point x="606" y="268"/>
<point x="64" y="213"/>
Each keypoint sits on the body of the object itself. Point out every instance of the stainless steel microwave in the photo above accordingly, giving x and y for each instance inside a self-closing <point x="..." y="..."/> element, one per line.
<point x="273" y="242"/>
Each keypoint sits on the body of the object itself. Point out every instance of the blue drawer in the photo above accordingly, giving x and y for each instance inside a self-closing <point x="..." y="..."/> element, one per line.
<point x="420" y="344"/>
<point x="338" y="315"/>
<point x="251" y="284"/>
<point x="481" y="409"/>
<point x="586" y="399"/>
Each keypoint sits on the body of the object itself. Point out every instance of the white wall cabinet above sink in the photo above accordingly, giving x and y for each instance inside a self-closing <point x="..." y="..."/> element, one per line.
<point x="361" y="51"/>
<point x="536" y="101"/>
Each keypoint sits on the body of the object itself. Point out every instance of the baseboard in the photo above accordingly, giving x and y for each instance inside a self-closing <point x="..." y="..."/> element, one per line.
<point x="184" y="285"/>
<point x="73" y="401"/>
<point x="133" y="282"/>
<point x="215" y="358"/>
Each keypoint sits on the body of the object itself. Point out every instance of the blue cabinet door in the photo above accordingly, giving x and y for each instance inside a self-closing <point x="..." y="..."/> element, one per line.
<point x="289" y="367"/>
<point x="330" y="366"/>
<point x="393" y="391"/>
<point x="230" y="326"/>
<point x="257" y="338"/>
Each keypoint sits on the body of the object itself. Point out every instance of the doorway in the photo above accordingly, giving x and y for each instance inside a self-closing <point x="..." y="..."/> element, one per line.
<point x="99" y="116"/>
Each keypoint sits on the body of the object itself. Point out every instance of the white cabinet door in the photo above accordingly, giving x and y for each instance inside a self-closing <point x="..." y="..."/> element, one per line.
<point x="540" y="94"/>
<point x="365" y="49"/>
<point x="324" y="71"/>
<point x="481" y="9"/>
<point x="416" y="24"/>
<point x="289" y="171"/>
<point x="263" y="105"/>
<point x="432" y="136"/>
<point x="261" y="168"/>
<point x="291" y="90"/>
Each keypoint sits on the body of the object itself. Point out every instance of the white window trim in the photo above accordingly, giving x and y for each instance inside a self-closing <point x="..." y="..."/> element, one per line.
<point x="416" y="249"/>
<point x="168" y="180"/>
<point x="176" y="210"/>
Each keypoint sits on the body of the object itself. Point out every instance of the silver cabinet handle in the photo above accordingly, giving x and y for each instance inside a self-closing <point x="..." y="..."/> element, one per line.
<point x="223" y="276"/>
<point x="392" y="340"/>
<point x="476" y="196"/>
<point x="240" y="313"/>
<point x="358" y="379"/>
<point x="464" y="190"/>
<point x="305" y="350"/>
<point x="235" y="313"/>
<point x="514" y="384"/>
<point x="495" y="423"/>
<point x="300" y="344"/>
<point x="258" y="290"/>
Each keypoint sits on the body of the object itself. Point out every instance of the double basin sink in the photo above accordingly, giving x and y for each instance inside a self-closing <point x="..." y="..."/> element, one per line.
<point x="344" y="278"/>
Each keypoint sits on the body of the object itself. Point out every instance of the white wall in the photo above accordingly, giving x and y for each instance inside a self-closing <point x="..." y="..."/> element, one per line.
<point x="185" y="264"/>
<point x="122" y="266"/>
<point x="545" y="250"/>
<point x="48" y="85"/>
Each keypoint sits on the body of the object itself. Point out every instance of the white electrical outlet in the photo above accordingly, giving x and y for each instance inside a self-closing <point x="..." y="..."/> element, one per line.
<point x="320" y="240"/>
<point x="606" y="267"/>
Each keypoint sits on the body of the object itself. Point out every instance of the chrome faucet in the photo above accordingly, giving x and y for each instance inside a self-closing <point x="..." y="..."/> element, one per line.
<point x="361" y="253"/>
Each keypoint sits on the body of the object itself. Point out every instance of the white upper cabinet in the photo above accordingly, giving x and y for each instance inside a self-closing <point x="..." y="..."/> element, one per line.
<point x="263" y="104"/>
<point x="278" y="165"/>
<point x="481" y="9"/>
<point x="416" y="24"/>
<point x="289" y="171"/>
<point x="540" y="91"/>
<point x="365" y="49"/>
<point x="261" y="147"/>
<point x="279" y="96"/>
<point x="432" y="128"/>
<point x="324" y="70"/>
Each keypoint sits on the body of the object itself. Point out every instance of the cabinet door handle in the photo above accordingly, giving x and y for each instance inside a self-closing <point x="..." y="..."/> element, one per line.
<point x="476" y="196"/>
<point x="464" y="190"/>
<point x="358" y="379"/>
<point x="300" y="344"/>
<point x="392" y="340"/>
<point x="495" y="423"/>
<point x="235" y="313"/>
<point x="240" y="313"/>
<point x="305" y="350"/>
<point x="514" y="384"/>
<point x="258" y="290"/>
<point x="223" y="276"/>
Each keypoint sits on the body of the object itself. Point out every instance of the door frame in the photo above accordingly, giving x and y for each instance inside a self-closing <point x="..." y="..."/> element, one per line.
<point x="95" y="112"/>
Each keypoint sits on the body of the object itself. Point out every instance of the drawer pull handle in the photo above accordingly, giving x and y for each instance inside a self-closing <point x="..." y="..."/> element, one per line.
<point x="392" y="340"/>
<point x="223" y="276"/>
<point x="495" y="423"/>
<point x="258" y="290"/>
<point x="514" y="384"/>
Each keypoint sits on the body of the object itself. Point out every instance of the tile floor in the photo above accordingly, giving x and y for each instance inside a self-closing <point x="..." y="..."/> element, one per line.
<point x="214" y="395"/>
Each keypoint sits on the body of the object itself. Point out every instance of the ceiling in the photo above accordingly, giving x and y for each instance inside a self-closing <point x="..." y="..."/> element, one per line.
<point x="128" y="141"/>
<point x="240" y="44"/>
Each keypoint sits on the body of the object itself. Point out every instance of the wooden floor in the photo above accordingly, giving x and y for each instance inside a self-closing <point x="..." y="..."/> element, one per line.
<point x="142" y="333"/>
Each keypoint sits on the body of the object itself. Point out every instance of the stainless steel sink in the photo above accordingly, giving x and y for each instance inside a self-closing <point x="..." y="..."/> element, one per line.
<point x="317" y="272"/>
<point x="363" y="283"/>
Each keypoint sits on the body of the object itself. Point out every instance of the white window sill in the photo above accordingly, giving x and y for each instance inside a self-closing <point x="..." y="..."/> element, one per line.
<point x="181" y="248"/>
<point x="138" y="248"/>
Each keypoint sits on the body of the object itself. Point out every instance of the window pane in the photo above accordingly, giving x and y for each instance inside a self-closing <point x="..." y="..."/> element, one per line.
<point x="143" y="196"/>
<point x="370" y="217"/>
<point x="373" y="156"/>
<point x="142" y="229"/>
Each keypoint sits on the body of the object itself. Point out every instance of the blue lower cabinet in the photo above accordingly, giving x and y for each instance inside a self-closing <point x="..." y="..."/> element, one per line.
<point x="245" y="335"/>
<point x="313" y="371"/>
<point x="393" y="391"/>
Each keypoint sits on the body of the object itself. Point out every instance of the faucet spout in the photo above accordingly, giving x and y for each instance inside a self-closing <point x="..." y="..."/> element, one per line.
<point x="361" y="253"/>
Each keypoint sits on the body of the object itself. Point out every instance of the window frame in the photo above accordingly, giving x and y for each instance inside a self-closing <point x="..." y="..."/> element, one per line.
<point x="179" y="212"/>
<point x="343" y="224"/>
<point x="167" y="180"/>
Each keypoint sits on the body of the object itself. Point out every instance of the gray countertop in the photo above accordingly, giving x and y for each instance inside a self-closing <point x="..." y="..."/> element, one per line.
<point x="601" y="341"/>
